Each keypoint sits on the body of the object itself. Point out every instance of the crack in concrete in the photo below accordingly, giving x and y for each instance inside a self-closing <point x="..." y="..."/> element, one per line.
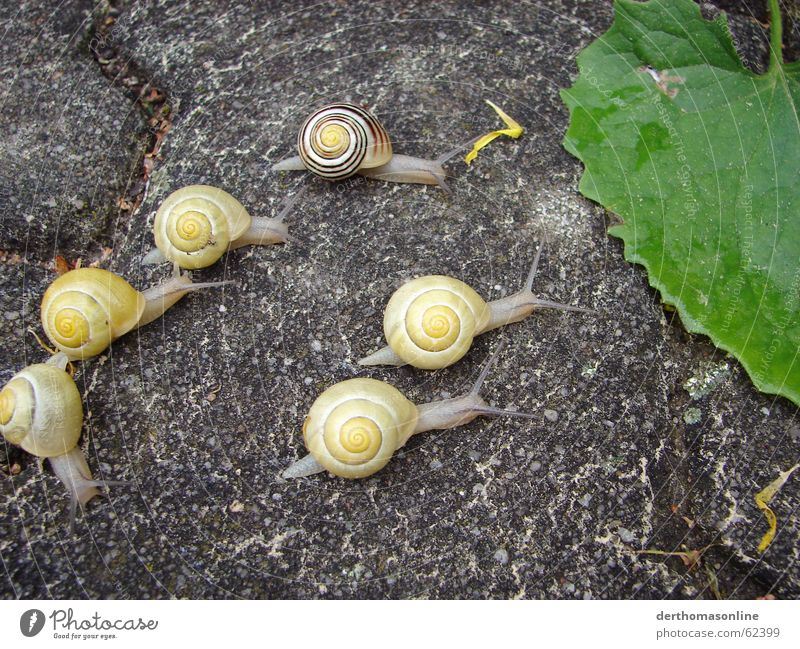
<point x="152" y="102"/>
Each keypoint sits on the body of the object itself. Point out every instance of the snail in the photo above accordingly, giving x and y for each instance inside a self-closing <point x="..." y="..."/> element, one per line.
<point x="41" y="411"/>
<point x="430" y="322"/>
<point x="341" y="140"/>
<point x="197" y="224"/>
<point x="354" y="427"/>
<point x="85" y="309"/>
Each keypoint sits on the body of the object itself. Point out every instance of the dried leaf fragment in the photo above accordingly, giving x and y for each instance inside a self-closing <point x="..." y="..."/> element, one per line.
<point x="48" y="349"/>
<point x="690" y="558"/>
<point x="61" y="264"/>
<point x="762" y="501"/>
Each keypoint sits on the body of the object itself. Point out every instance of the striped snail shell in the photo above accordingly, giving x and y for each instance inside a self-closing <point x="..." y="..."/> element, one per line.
<point x="339" y="139"/>
<point x="85" y="309"/>
<point x="41" y="411"/>
<point x="355" y="426"/>
<point x="430" y="322"/>
<point x="195" y="225"/>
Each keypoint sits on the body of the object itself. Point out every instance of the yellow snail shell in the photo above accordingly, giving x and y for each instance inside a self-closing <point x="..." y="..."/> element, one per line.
<point x="85" y="309"/>
<point x="430" y="322"/>
<point x="41" y="411"/>
<point x="339" y="139"/>
<point x="355" y="426"/>
<point x="195" y="225"/>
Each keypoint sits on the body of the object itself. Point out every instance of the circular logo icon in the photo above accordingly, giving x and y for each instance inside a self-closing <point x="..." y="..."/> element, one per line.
<point x="31" y="622"/>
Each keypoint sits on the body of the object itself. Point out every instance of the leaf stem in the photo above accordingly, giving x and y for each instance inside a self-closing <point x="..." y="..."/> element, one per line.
<point x="775" y="36"/>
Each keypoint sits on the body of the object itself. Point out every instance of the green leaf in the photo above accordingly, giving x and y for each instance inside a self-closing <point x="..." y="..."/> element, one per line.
<point x="701" y="159"/>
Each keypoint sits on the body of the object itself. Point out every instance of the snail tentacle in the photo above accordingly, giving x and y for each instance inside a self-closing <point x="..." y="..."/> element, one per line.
<point x="161" y="297"/>
<point x="451" y="413"/>
<point x="455" y="151"/>
<point x="270" y="230"/>
<point x="521" y="304"/>
<point x="487" y="367"/>
<point x="539" y="303"/>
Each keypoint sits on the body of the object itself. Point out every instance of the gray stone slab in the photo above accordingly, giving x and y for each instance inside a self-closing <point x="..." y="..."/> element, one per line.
<point x="71" y="140"/>
<point x="641" y="424"/>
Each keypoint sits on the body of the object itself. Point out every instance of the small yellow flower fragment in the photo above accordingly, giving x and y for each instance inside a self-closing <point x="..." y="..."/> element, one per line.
<point x="762" y="499"/>
<point x="514" y="130"/>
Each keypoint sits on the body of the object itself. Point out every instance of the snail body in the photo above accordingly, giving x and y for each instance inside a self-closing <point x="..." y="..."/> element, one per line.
<point x="197" y="224"/>
<point x="41" y="411"/>
<point x="341" y="140"/>
<point x="85" y="309"/>
<point x="430" y="322"/>
<point x="354" y="427"/>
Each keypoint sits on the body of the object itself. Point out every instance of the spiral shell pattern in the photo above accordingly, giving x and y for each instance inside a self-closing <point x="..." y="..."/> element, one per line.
<point x="355" y="426"/>
<point x="431" y="321"/>
<point x="41" y="411"/>
<point x="195" y="225"/>
<point x="339" y="139"/>
<point x="85" y="309"/>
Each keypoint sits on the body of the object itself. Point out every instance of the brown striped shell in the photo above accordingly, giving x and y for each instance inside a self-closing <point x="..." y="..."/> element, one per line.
<point x="339" y="139"/>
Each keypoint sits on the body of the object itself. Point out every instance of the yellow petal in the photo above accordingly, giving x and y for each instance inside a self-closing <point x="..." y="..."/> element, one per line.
<point x="762" y="499"/>
<point x="514" y="130"/>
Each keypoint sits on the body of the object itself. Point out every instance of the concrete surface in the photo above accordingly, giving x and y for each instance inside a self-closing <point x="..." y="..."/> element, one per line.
<point x="649" y="438"/>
